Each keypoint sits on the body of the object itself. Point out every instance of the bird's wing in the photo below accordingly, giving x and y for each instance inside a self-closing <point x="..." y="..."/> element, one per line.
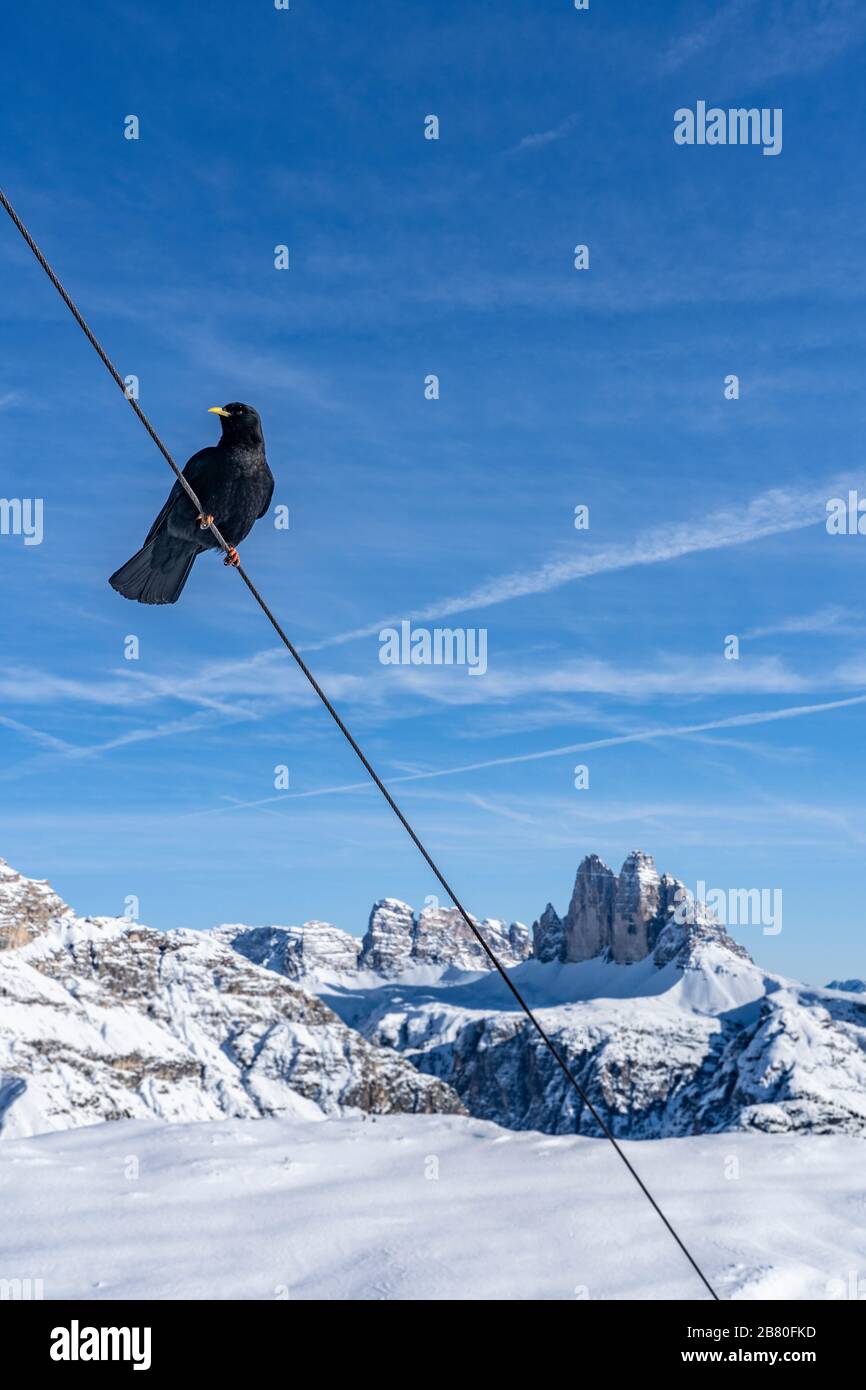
<point x="267" y="499"/>
<point x="192" y="470"/>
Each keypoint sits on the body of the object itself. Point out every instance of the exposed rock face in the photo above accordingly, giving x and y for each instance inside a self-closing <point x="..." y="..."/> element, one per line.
<point x="622" y="917"/>
<point x="442" y="937"/>
<point x="693" y="1076"/>
<point x="397" y="939"/>
<point x="387" y="946"/>
<point x="706" y="1042"/>
<point x="588" y="926"/>
<point x="103" y="1019"/>
<point x="27" y="907"/>
<point x="520" y="941"/>
<point x="295" y="951"/>
<point x="688" y="927"/>
<point x="698" y="1039"/>
<point x="636" y="909"/>
<point x="548" y="936"/>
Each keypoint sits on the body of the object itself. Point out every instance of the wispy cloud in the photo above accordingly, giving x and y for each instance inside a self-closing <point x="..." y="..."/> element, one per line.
<point x="784" y="754"/>
<point x="545" y="137"/>
<point x="830" y="620"/>
<point x="769" y="38"/>
<point x="265" y="679"/>
<point x="497" y="808"/>
<point x="695" y="677"/>
<point x="47" y="741"/>
<point x="736" y="721"/>
<point x="697" y="40"/>
<point x="242" y="690"/>
<point x="115" y="690"/>
<point x="168" y="728"/>
<point x="769" y="514"/>
<point x="197" y="723"/>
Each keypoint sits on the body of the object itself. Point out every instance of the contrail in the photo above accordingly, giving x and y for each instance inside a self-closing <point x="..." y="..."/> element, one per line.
<point x="734" y="721"/>
<point x="770" y="514"/>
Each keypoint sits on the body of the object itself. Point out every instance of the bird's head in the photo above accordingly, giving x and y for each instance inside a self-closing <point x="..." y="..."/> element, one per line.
<point x="240" y="423"/>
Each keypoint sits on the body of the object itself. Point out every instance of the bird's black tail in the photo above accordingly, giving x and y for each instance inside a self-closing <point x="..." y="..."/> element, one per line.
<point x="144" y="579"/>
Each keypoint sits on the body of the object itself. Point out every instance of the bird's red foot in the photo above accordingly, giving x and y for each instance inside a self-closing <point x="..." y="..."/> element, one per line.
<point x="204" y="521"/>
<point x="232" y="557"/>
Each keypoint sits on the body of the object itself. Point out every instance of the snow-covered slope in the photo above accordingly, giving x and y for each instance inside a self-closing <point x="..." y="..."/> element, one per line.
<point x="683" y="1034"/>
<point x="652" y="1064"/>
<point x="668" y="1024"/>
<point x="425" y="1207"/>
<point x="104" y="1019"/>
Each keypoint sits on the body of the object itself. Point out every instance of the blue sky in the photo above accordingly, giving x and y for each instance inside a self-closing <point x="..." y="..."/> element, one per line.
<point x="559" y="387"/>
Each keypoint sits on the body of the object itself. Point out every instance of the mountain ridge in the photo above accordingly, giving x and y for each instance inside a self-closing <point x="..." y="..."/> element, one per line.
<point x="666" y="1021"/>
<point x="101" y="1018"/>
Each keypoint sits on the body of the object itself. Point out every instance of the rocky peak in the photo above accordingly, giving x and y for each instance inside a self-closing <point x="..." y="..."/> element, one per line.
<point x="387" y="944"/>
<point x="295" y="951"/>
<point x="397" y="939"/>
<point x="439" y="933"/>
<point x="548" y="936"/>
<point x="321" y="946"/>
<point x="28" y="908"/>
<point x="104" y="1019"/>
<point x="588" y="925"/>
<point x="443" y="938"/>
<point x="627" y="917"/>
<point x="636" y="908"/>
<point x="520" y="941"/>
<point x="685" y="926"/>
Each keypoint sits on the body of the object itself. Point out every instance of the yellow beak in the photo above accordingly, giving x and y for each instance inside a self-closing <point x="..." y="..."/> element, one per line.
<point x="218" y="410"/>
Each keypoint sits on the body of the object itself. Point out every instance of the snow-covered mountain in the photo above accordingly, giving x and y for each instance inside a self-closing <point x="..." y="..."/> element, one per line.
<point x="398" y="942"/>
<point x="103" y="1019"/>
<point x="667" y="1022"/>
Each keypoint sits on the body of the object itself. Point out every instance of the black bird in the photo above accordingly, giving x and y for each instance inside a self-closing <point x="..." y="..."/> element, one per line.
<point x="234" y="485"/>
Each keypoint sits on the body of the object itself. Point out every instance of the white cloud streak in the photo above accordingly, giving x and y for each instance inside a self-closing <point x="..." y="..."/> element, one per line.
<point x="545" y="137"/>
<point x="831" y="620"/>
<point x="47" y="741"/>
<point x="735" y="721"/>
<point x="770" y="514"/>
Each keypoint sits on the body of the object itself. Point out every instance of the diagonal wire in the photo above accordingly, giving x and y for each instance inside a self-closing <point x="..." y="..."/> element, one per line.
<point x="293" y="651"/>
